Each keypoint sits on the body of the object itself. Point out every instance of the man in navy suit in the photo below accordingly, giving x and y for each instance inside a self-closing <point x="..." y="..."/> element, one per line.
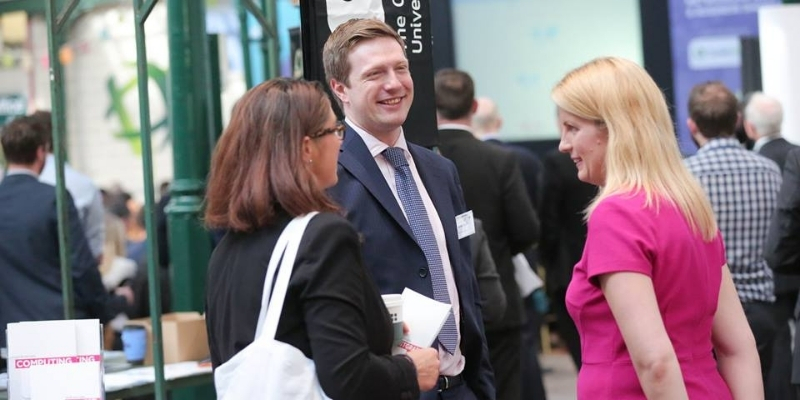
<point x="368" y="72"/>
<point x="30" y="289"/>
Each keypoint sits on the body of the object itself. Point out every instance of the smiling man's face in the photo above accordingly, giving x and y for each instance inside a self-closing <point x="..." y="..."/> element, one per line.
<point x="380" y="90"/>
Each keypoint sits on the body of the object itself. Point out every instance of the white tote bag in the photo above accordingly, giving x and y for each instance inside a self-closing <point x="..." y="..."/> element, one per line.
<point x="268" y="369"/>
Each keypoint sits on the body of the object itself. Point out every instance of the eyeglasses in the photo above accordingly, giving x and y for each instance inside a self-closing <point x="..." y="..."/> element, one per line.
<point x="337" y="130"/>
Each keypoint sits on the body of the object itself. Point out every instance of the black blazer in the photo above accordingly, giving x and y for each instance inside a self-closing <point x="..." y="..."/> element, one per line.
<point x="563" y="230"/>
<point x="391" y="252"/>
<point x="782" y="247"/>
<point x="531" y="168"/>
<point x="776" y="150"/>
<point x="333" y="313"/>
<point x="493" y="297"/>
<point x="30" y="288"/>
<point x="495" y="192"/>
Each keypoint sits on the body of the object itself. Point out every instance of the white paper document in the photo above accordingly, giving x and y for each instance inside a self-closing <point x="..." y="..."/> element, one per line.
<point x="55" y="360"/>
<point x="424" y="317"/>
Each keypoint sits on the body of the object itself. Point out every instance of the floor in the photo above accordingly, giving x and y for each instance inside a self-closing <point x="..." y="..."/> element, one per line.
<point x="559" y="376"/>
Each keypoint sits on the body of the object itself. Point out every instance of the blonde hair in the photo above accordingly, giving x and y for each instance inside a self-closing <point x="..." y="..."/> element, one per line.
<point x="114" y="244"/>
<point x="642" y="152"/>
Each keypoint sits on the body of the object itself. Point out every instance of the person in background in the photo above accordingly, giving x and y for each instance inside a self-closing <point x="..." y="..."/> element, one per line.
<point x="87" y="196"/>
<point x="763" y="117"/>
<point x="272" y="163"/>
<point x="563" y="236"/>
<point x="743" y="190"/>
<point x="782" y="250"/>
<point x="493" y="298"/>
<point x="486" y="125"/>
<point x="405" y="200"/>
<point x="496" y="193"/>
<point x="116" y="271"/>
<point x="652" y="295"/>
<point x="30" y="289"/>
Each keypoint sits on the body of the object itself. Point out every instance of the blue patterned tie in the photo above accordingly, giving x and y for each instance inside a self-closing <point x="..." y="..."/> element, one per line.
<point x="421" y="227"/>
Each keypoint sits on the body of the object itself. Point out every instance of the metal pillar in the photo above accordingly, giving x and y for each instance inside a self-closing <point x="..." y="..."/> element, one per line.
<point x="190" y="246"/>
<point x="266" y="16"/>
<point x="244" y="35"/>
<point x="188" y="105"/>
<point x="142" y="9"/>
<point x="56" y="24"/>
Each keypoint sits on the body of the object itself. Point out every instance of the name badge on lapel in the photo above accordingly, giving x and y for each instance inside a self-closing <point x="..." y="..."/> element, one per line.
<point x="465" y="224"/>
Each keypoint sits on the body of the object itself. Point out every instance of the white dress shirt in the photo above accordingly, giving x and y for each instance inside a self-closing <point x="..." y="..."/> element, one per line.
<point x="87" y="200"/>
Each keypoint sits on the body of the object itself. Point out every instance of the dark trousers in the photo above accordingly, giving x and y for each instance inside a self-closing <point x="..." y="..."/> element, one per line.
<point x="761" y="318"/>
<point x="531" y="372"/>
<point x="504" y="354"/>
<point x="779" y="380"/>
<point x="566" y="327"/>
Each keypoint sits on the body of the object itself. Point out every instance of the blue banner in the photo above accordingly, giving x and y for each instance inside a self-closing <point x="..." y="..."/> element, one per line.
<point x="706" y="46"/>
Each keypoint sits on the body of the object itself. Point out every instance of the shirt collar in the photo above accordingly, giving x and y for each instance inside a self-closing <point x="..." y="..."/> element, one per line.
<point x="21" y="171"/>
<point x="490" y="136"/>
<point x="374" y="145"/>
<point x="763" y="141"/>
<point x="722" y="142"/>
<point x="457" y="126"/>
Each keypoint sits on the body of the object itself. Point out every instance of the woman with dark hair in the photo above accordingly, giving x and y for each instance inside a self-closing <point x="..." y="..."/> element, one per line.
<point x="274" y="162"/>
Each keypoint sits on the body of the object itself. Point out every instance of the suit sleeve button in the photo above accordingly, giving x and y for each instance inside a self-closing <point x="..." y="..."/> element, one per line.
<point x="423" y="272"/>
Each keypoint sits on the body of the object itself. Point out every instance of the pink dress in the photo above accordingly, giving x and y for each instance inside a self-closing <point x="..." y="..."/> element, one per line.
<point x="686" y="273"/>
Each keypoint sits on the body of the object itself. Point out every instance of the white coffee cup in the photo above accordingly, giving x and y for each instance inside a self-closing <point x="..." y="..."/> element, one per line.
<point x="394" y="305"/>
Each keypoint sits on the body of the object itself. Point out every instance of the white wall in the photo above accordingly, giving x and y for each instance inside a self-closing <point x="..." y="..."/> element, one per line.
<point x="517" y="50"/>
<point x="779" y="33"/>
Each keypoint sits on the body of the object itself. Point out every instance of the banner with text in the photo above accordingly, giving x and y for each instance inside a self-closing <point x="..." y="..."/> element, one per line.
<point x="410" y="18"/>
<point x="706" y="46"/>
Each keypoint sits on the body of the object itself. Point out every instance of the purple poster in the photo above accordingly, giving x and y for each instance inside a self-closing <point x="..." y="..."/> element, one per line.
<point x="705" y="46"/>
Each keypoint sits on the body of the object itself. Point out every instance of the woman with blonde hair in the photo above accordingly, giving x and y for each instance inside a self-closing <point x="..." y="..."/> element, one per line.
<point x="652" y="296"/>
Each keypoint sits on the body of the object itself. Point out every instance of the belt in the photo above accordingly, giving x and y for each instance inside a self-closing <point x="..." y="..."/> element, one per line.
<point x="449" y="382"/>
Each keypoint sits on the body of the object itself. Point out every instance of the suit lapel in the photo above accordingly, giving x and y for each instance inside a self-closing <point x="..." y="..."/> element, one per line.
<point x="357" y="160"/>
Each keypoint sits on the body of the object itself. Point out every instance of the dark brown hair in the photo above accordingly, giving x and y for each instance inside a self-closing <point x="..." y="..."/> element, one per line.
<point x="348" y="35"/>
<point x="257" y="167"/>
<point x="20" y="140"/>
<point x="714" y="109"/>
<point x="44" y="121"/>
<point x="455" y="93"/>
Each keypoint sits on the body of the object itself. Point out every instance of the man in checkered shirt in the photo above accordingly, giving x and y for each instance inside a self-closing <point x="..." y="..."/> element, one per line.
<point x="743" y="189"/>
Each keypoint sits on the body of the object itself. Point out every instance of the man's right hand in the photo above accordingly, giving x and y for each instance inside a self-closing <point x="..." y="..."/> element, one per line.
<point x="427" y="363"/>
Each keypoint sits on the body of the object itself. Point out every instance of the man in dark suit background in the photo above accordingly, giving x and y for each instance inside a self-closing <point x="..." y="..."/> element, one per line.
<point x="563" y="236"/>
<point x="368" y="72"/>
<point x="30" y="289"/>
<point x="495" y="192"/>
<point x="782" y="251"/>
<point x="763" y="116"/>
<point x="486" y="125"/>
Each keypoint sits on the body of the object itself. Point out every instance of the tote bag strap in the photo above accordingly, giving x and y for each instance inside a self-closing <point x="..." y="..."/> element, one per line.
<point x="285" y="252"/>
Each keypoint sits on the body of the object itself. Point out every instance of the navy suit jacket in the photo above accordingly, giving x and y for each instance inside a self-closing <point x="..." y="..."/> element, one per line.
<point x="393" y="256"/>
<point x="30" y="288"/>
